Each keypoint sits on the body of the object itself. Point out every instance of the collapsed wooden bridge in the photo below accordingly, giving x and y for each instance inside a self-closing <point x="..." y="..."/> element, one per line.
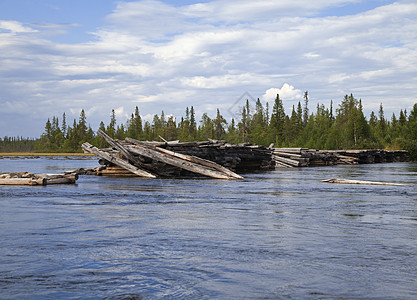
<point x="148" y="160"/>
<point x="217" y="158"/>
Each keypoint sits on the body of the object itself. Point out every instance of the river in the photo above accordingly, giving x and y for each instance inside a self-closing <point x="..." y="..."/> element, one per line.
<point x="274" y="235"/>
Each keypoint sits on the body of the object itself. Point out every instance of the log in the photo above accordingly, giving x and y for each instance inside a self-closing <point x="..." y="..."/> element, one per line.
<point x="294" y="163"/>
<point x="116" y="171"/>
<point x="66" y="179"/>
<point x="116" y="160"/>
<point x="154" y="153"/>
<point x="22" y="181"/>
<point x="351" y="181"/>
<point x="193" y="159"/>
<point x="119" y="147"/>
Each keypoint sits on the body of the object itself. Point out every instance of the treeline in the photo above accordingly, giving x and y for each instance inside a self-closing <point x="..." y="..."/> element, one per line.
<point x="345" y="127"/>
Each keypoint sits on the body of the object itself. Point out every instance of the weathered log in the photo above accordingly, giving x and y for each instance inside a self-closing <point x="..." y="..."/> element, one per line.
<point x="66" y="179"/>
<point x="155" y="154"/>
<point x="22" y="181"/>
<point x="129" y="156"/>
<point x="116" y="172"/>
<point x="116" y="160"/>
<point x="294" y="163"/>
<point x="350" y="181"/>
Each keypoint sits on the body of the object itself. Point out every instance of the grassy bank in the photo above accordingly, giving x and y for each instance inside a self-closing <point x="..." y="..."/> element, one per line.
<point x="44" y="154"/>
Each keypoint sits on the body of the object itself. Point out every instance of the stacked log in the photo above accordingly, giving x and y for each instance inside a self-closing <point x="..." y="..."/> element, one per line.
<point x="303" y="157"/>
<point x="290" y="157"/>
<point x="237" y="157"/>
<point x="25" y="178"/>
<point x="150" y="160"/>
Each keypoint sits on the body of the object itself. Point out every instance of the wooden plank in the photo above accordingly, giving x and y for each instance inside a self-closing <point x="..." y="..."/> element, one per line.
<point x="287" y="154"/>
<point x="153" y="153"/>
<point x="119" y="147"/>
<point x="287" y="161"/>
<point x="193" y="159"/>
<point x="116" y="160"/>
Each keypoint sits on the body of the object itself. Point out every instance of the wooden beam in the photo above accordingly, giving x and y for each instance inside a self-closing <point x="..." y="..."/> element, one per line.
<point x="116" y="144"/>
<point x="116" y="160"/>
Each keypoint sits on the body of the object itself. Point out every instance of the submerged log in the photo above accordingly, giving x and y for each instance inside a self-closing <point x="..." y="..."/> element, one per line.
<point x="351" y="181"/>
<point x="116" y="160"/>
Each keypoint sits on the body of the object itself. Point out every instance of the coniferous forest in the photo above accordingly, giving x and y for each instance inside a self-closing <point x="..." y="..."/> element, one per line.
<point x="344" y="127"/>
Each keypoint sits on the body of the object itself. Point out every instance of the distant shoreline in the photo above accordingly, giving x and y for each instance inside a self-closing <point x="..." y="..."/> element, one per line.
<point x="43" y="154"/>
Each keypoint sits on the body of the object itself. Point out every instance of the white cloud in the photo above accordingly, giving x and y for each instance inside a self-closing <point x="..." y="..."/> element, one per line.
<point x="15" y="27"/>
<point x="286" y="92"/>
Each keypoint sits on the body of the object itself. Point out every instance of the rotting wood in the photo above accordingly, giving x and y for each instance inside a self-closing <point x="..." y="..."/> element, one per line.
<point x="291" y="162"/>
<point x="116" y="144"/>
<point x="351" y="181"/>
<point x="192" y="159"/>
<point x="116" y="160"/>
<point x="153" y="153"/>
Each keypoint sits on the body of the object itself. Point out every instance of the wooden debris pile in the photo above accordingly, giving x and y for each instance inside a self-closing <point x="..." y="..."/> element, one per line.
<point x="25" y="178"/>
<point x="304" y="157"/>
<point x="237" y="157"/>
<point x="149" y="160"/>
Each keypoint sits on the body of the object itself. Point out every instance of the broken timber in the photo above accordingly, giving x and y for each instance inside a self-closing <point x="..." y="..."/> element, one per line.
<point x="116" y="160"/>
<point x="160" y="160"/>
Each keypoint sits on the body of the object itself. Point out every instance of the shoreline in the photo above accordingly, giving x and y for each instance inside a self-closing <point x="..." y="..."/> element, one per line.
<point x="23" y="154"/>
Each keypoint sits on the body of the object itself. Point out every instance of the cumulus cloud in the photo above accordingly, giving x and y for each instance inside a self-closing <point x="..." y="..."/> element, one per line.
<point x="286" y="92"/>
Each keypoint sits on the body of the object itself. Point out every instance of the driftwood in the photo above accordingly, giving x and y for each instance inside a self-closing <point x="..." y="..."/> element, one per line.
<point x="350" y="181"/>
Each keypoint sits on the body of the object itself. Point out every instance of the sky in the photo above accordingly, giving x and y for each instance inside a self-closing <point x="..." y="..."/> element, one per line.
<point x="61" y="56"/>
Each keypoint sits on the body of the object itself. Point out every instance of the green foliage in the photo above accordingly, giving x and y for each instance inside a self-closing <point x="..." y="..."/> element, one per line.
<point x="348" y="129"/>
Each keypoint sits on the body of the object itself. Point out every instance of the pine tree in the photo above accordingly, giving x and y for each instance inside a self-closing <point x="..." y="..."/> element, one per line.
<point x="219" y="125"/>
<point x="277" y="124"/>
<point x="193" y="123"/>
<point x="111" y="128"/>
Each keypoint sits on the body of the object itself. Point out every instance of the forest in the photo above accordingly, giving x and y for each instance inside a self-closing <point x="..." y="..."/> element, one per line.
<point x="344" y="128"/>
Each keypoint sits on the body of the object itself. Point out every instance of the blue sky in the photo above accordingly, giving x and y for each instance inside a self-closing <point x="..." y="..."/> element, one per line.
<point x="98" y="55"/>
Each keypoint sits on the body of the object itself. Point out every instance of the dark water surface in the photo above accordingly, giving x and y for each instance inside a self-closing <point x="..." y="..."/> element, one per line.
<point x="279" y="234"/>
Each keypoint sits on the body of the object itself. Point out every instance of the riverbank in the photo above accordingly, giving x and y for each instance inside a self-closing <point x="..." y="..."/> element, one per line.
<point x="22" y="154"/>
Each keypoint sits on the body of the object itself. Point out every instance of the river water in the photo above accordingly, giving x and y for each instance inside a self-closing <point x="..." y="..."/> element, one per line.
<point x="274" y="235"/>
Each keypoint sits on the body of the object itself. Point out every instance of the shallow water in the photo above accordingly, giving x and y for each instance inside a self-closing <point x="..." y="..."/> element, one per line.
<point x="278" y="234"/>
